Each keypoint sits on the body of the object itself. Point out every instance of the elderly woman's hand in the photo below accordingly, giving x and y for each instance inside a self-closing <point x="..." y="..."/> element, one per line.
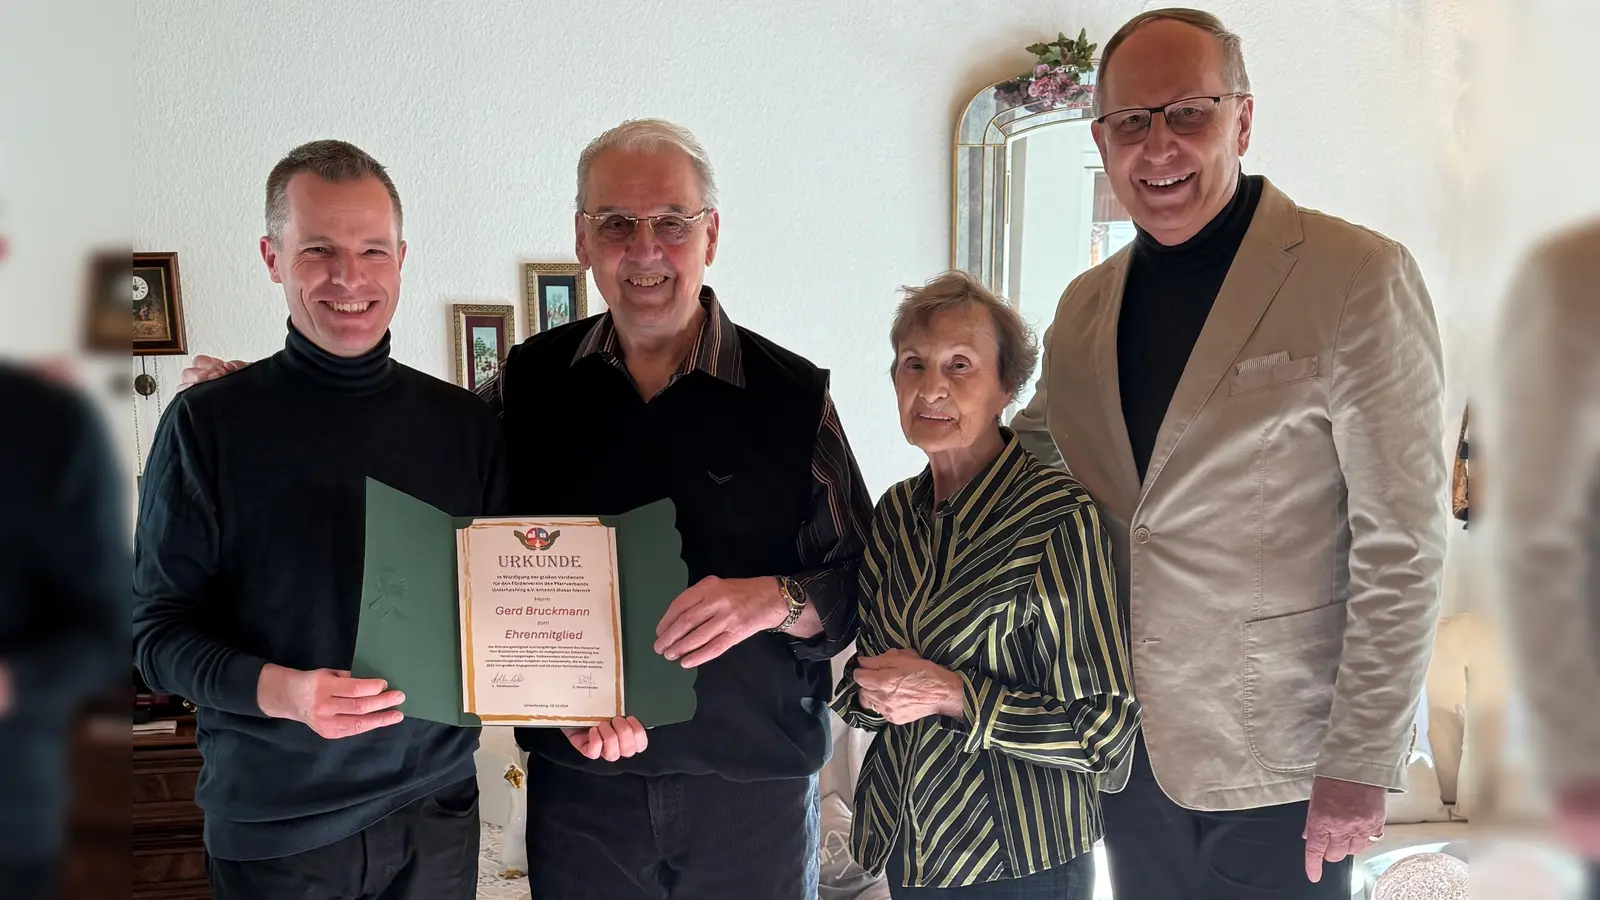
<point x="903" y="687"/>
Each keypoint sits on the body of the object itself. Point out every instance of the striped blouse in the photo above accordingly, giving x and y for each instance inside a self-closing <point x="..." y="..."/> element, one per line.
<point x="1009" y="583"/>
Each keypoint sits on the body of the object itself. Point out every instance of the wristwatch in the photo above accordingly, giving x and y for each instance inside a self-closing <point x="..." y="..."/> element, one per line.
<point x="795" y="597"/>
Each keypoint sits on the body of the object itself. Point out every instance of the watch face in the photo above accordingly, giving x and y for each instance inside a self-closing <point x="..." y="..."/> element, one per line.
<point x="141" y="288"/>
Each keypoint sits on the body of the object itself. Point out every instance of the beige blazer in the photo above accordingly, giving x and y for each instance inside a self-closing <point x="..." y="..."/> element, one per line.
<point x="1540" y="478"/>
<point x="1282" y="560"/>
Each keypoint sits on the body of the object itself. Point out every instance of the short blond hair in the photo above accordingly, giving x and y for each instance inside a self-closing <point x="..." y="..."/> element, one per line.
<point x="1019" y="349"/>
<point x="1233" y="73"/>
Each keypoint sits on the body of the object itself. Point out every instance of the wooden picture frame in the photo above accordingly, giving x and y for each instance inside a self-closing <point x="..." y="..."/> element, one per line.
<point x="108" y="303"/>
<point x="494" y="327"/>
<point x="554" y="294"/>
<point x="157" y="306"/>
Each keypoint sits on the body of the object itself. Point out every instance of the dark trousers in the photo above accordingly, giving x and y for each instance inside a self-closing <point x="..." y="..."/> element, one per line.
<point x="28" y="880"/>
<point x="1594" y="881"/>
<point x="669" y="837"/>
<point x="1160" y="851"/>
<point x="1073" y="880"/>
<point x="426" y="850"/>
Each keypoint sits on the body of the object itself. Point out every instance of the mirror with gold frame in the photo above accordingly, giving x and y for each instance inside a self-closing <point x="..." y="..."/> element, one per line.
<point x="1032" y="208"/>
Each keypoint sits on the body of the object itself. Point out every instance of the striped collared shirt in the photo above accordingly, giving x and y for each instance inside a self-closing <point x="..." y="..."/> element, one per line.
<point x="715" y="350"/>
<point x="1009" y="583"/>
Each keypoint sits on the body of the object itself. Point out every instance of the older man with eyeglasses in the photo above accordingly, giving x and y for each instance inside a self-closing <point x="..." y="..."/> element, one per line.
<point x="1252" y="393"/>
<point x="664" y="396"/>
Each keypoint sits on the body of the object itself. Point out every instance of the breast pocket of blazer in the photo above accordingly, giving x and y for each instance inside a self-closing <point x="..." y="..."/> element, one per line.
<point x="1270" y="372"/>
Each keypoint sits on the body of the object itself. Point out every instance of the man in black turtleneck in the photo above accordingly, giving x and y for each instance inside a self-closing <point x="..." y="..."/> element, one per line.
<point x="1165" y="305"/>
<point x="1252" y="393"/>
<point x="248" y="558"/>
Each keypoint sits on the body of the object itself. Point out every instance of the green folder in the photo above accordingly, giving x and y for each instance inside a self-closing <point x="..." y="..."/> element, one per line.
<point x="409" y="633"/>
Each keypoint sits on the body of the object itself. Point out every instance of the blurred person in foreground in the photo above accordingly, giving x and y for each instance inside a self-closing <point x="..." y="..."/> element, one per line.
<point x="1542" y="459"/>
<point x="64" y="604"/>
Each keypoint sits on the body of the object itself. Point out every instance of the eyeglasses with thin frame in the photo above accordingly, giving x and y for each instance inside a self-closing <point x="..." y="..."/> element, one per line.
<point x="668" y="228"/>
<point x="1188" y="116"/>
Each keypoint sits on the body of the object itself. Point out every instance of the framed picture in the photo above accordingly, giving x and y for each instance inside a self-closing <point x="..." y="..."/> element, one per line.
<point x="157" y="306"/>
<point x="108" y="306"/>
<point x="484" y="335"/>
<point x="554" y="294"/>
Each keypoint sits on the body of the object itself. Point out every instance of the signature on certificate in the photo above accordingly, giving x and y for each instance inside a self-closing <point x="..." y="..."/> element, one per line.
<point x="503" y="678"/>
<point x="585" y="681"/>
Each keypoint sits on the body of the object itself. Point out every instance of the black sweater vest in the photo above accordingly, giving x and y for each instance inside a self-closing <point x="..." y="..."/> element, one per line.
<point x="736" y="463"/>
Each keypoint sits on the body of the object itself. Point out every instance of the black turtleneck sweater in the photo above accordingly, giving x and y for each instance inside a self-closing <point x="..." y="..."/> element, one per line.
<point x="1165" y="304"/>
<point x="249" y="551"/>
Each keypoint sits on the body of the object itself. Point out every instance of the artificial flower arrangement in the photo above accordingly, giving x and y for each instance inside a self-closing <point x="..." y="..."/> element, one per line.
<point x="1055" y="79"/>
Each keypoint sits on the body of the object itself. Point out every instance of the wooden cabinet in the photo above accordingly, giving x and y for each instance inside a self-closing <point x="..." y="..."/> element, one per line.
<point x="169" y="857"/>
<point x="95" y="866"/>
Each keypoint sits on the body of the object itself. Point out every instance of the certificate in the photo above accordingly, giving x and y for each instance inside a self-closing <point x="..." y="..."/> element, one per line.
<point x="536" y="621"/>
<point x="541" y="621"/>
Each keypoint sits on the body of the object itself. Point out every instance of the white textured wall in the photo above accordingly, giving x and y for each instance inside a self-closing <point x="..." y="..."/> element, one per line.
<point x="830" y="124"/>
<point x="63" y="183"/>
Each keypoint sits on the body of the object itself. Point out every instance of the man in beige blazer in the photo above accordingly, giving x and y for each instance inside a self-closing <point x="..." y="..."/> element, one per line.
<point x="1252" y="393"/>
<point x="1541" y="472"/>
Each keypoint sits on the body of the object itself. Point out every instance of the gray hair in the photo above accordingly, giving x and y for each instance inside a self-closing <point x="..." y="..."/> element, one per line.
<point x="650" y="136"/>
<point x="331" y="161"/>
<point x="1233" y="73"/>
<point x="1019" y="349"/>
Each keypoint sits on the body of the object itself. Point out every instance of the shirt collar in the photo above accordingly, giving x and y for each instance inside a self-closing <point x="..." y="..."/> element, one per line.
<point x="715" y="352"/>
<point x="967" y="510"/>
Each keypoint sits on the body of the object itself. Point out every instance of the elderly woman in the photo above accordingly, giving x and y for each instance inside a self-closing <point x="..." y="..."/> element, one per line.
<point x="992" y="655"/>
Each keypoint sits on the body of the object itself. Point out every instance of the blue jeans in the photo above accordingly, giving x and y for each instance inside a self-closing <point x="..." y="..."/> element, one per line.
<point x="1072" y="880"/>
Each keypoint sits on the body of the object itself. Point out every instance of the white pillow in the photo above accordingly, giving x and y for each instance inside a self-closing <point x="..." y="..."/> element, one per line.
<point x="1420" y="741"/>
<point x="1467" y="783"/>
<point x="840" y="877"/>
<point x="1420" y="802"/>
<point x="1445" y="691"/>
